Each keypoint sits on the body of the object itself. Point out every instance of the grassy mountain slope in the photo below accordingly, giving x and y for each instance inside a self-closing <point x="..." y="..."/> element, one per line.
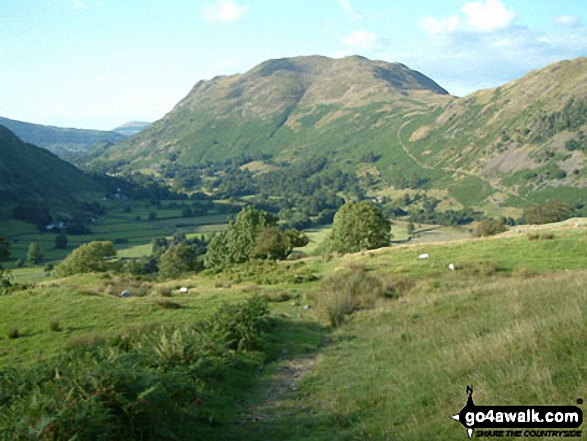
<point x="287" y="108"/>
<point x="510" y="321"/>
<point x="514" y="137"/>
<point x="30" y="172"/>
<point x="61" y="141"/>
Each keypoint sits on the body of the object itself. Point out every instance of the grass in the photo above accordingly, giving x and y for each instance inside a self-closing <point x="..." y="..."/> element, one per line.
<point x="398" y="372"/>
<point x="510" y="321"/>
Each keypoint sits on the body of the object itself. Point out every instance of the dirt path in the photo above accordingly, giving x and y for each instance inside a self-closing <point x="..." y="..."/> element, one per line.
<point x="273" y="390"/>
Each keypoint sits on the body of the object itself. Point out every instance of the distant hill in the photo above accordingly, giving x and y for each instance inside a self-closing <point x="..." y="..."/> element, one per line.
<point x="64" y="142"/>
<point x="30" y="173"/>
<point x="514" y="145"/>
<point x="131" y="128"/>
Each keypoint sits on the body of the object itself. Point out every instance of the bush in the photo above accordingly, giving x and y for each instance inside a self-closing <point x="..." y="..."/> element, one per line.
<point x="164" y="291"/>
<point x="481" y="268"/>
<point x="396" y="286"/>
<point x="488" y="227"/>
<point x="147" y="384"/>
<point x="540" y="236"/>
<point x="86" y="341"/>
<point x="345" y="292"/>
<point x="55" y="324"/>
<point x="168" y="304"/>
<point x="12" y="332"/>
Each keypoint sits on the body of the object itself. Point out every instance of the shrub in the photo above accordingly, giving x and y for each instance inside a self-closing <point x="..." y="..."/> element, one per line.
<point x="164" y="291"/>
<point x="168" y="304"/>
<point x="277" y="297"/>
<point x="117" y="285"/>
<point x="12" y="332"/>
<point x="146" y="384"/>
<point x="481" y="268"/>
<point x="345" y="292"/>
<point x="540" y="236"/>
<point x="86" y="341"/>
<point x="55" y="324"/>
<point x="488" y="227"/>
<point x="396" y="286"/>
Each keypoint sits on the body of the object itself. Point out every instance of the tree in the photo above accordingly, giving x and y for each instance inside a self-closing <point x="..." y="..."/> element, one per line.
<point x="411" y="228"/>
<point x="4" y="248"/>
<point x="552" y="211"/>
<point x="160" y="245"/>
<point x="359" y="226"/>
<point x="35" y="254"/>
<point x="178" y="259"/>
<point x="90" y="257"/>
<point x="237" y="244"/>
<point x="489" y="227"/>
<point x="61" y="242"/>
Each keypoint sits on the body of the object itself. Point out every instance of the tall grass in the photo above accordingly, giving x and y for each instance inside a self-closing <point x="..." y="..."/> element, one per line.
<point x="398" y="372"/>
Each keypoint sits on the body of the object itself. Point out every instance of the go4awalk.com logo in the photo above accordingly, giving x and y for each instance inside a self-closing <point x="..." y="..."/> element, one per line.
<point x="518" y="421"/>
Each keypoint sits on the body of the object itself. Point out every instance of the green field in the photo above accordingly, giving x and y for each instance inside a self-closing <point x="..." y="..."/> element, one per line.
<point x="510" y="321"/>
<point x="132" y="233"/>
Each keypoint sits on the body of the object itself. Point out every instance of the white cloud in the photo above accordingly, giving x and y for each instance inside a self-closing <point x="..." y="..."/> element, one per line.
<point x="350" y="10"/>
<point x="477" y="17"/>
<point x="362" y="40"/>
<point x="488" y="17"/>
<point x="569" y="21"/>
<point x="224" y="10"/>
<point x="434" y="26"/>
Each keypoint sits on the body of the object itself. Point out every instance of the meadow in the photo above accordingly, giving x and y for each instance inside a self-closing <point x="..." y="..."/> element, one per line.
<point x="510" y="321"/>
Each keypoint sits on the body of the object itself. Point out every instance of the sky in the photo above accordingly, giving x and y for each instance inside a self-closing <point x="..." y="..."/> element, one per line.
<point x="97" y="64"/>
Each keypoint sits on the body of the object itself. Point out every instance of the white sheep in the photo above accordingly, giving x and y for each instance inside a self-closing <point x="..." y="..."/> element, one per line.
<point x="424" y="256"/>
<point x="451" y="266"/>
<point x="183" y="290"/>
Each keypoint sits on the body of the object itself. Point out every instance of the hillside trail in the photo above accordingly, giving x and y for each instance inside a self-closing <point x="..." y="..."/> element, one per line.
<point x="495" y="185"/>
<point x="274" y="390"/>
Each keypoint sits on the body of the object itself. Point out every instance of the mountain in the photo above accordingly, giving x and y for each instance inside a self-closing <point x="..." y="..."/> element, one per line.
<point x="30" y="173"/>
<point x="513" y="145"/>
<point x="61" y="141"/>
<point x="285" y="108"/>
<point x="525" y="139"/>
<point x="131" y="128"/>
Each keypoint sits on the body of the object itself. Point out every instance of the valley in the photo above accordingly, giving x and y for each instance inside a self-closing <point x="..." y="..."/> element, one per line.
<point x="314" y="249"/>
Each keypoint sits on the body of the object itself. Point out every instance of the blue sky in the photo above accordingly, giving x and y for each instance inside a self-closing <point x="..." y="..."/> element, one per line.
<point x="101" y="63"/>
